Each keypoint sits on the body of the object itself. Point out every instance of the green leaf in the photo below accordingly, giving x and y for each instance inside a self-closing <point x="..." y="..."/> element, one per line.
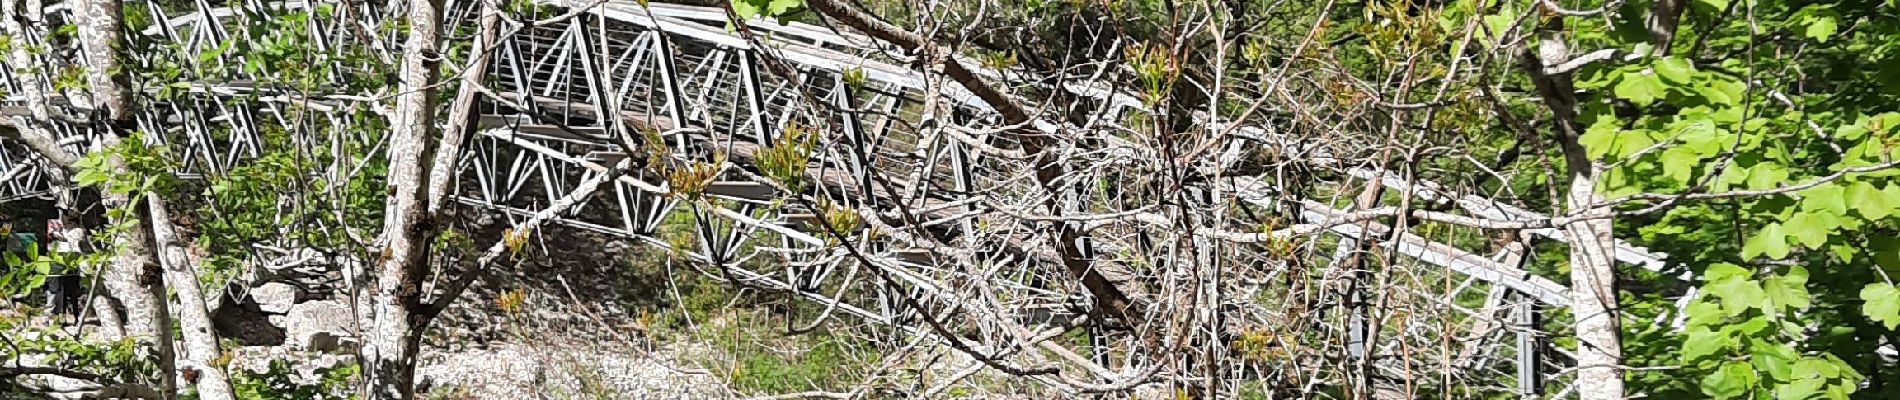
<point x="1789" y="290"/>
<point x="1721" y="271"/>
<point x="1674" y="69"/>
<point x="1738" y="292"/>
<point x="1703" y="137"/>
<point x="745" y="9"/>
<point x="1732" y="380"/>
<point x="1699" y="342"/>
<point x="89" y="177"/>
<point x="1770" y="241"/>
<point x="1498" y="24"/>
<point x="1722" y="91"/>
<point x="1867" y="152"/>
<point x="1600" y="138"/>
<point x="1882" y="303"/>
<point x="1821" y="26"/>
<point x="1827" y="197"/>
<point x="1892" y="195"/>
<point x="1640" y="87"/>
<point x="1811" y="229"/>
<point x="1870" y="201"/>
<point x="1799" y="389"/>
<point x="1775" y="359"/>
<point x="1884" y="123"/>
<point x="34" y="281"/>
<point x="777" y="8"/>
<point x="1816" y="368"/>
<point x="1845" y="252"/>
<point x="1703" y="313"/>
<point x="1766" y="175"/>
<point x="1851" y="132"/>
<point x="1679" y="162"/>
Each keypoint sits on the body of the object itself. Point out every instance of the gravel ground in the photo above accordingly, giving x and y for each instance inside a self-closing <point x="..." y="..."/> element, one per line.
<point x="514" y="371"/>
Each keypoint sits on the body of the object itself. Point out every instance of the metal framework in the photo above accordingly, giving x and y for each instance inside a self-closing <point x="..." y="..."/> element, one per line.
<point x="569" y="91"/>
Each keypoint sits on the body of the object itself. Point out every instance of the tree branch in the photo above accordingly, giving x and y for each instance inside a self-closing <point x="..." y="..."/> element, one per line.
<point x="1110" y="293"/>
<point x="40" y="142"/>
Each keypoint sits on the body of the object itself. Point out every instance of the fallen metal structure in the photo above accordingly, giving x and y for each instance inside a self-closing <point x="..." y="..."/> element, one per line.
<point x="566" y="97"/>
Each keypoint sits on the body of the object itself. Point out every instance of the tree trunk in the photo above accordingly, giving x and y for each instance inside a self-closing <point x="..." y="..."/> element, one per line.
<point x="1592" y="267"/>
<point x="1593" y="294"/>
<point x="462" y="116"/>
<point x="392" y="334"/>
<point x="201" y="343"/>
<point x="134" y="278"/>
<point x="100" y="25"/>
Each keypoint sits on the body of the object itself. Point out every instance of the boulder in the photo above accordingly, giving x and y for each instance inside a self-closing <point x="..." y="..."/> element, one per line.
<point x="274" y="297"/>
<point x="322" y="326"/>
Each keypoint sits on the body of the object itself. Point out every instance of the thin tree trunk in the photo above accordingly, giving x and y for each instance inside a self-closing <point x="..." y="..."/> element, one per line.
<point x="1592" y="267"/>
<point x="201" y="342"/>
<point x="462" y="116"/>
<point x="1593" y="294"/>
<point x="392" y="334"/>
<point x="1664" y="18"/>
<point x="1361" y="334"/>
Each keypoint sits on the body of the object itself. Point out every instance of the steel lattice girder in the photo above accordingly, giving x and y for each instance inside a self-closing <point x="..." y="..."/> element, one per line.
<point x="668" y="68"/>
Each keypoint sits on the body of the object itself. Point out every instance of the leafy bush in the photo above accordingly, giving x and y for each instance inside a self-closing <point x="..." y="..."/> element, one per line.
<point x="282" y="382"/>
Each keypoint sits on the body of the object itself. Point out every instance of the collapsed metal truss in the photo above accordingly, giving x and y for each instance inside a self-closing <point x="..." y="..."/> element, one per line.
<point x="570" y="91"/>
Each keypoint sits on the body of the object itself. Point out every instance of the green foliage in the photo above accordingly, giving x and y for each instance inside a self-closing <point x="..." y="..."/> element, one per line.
<point x="25" y="270"/>
<point x="826" y="361"/>
<point x="853" y="78"/>
<point x="133" y="167"/>
<point x="1771" y="102"/>
<point x="282" y="382"/>
<point x="785" y="162"/>
<point x="839" y="218"/>
<point x="778" y="9"/>
<point x="1741" y="338"/>
<point x="1882" y="303"/>
<point x="1154" y="68"/>
<point x="119" y="360"/>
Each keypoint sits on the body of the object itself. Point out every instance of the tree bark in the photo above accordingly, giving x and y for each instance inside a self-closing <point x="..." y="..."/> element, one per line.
<point x="1663" y="20"/>
<point x="1592" y="266"/>
<point x="101" y="23"/>
<point x="462" y="116"/>
<point x="201" y="342"/>
<point x="134" y="278"/>
<point x="392" y="334"/>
